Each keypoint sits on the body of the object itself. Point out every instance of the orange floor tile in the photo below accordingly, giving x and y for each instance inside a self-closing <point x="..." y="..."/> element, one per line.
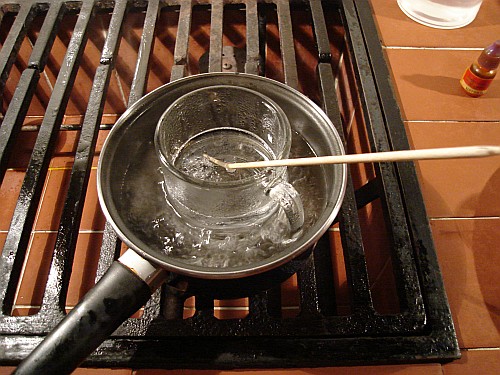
<point x="468" y="255"/>
<point x="375" y="370"/>
<point x="458" y="187"/>
<point x="480" y="362"/>
<point x="460" y="195"/>
<point x="427" y="84"/>
<point x="398" y="30"/>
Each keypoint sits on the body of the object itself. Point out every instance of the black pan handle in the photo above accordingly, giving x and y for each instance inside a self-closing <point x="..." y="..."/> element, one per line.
<point x="121" y="292"/>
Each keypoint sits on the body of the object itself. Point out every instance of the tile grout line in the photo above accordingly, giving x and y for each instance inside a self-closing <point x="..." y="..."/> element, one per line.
<point x="120" y="87"/>
<point x="432" y="48"/>
<point x="23" y="270"/>
<point x="493" y="122"/>
<point x="464" y="218"/>
<point x="44" y="72"/>
<point x="492" y="348"/>
<point x="68" y="168"/>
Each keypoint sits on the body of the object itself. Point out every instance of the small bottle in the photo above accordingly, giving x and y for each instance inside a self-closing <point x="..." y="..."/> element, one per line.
<point x="478" y="77"/>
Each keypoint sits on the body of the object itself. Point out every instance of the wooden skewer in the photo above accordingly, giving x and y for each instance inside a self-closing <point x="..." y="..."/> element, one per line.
<point x="424" y="154"/>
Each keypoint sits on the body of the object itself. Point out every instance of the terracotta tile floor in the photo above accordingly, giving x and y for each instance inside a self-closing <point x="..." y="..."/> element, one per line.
<point x="469" y="258"/>
<point x="462" y="197"/>
<point x="399" y="31"/>
<point x="459" y="187"/>
<point x="427" y="86"/>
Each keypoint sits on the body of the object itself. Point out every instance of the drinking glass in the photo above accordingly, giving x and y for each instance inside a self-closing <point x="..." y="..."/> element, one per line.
<point x="441" y="14"/>
<point x="233" y="124"/>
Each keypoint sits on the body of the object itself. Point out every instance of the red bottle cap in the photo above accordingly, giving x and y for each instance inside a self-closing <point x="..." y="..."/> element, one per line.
<point x="490" y="57"/>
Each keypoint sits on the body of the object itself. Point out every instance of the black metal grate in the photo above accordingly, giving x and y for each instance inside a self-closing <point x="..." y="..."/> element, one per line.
<point x="420" y="329"/>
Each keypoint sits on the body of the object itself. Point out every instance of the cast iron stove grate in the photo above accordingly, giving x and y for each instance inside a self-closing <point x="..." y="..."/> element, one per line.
<point x="419" y="329"/>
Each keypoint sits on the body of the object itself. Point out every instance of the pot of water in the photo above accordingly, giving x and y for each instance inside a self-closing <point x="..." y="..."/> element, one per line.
<point x="217" y="232"/>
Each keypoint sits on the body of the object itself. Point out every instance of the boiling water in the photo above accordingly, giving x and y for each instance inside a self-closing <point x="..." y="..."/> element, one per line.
<point x="154" y="222"/>
<point x="445" y="14"/>
<point x="228" y="144"/>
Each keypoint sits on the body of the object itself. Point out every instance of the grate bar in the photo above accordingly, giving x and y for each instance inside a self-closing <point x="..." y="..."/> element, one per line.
<point x="357" y="272"/>
<point x="262" y="19"/>
<point x="287" y="44"/>
<point x="138" y="87"/>
<point x="306" y="278"/>
<point x="252" y="23"/>
<point x="258" y="306"/>
<point x="322" y="255"/>
<point x="320" y="32"/>
<point x="216" y="24"/>
<point x="265" y="305"/>
<point x="355" y="260"/>
<point x="46" y="37"/>
<point x="141" y="326"/>
<point x="110" y="250"/>
<point x="173" y="305"/>
<point x="111" y="244"/>
<point x="407" y="281"/>
<point x="25" y="89"/>
<point x="24" y="213"/>
<point x="13" y="42"/>
<point x="417" y="216"/>
<point x="229" y="353"/>
<point x="182" y="41"/>
<point x="204" y="306"/>
<point x="14" y="117"/>
<point x="329" y="101"/>
<point x="324" y="276"/>
<point x="368" y="193"/>
<point x="60" y="270"/>
<point x="114" y="34"/>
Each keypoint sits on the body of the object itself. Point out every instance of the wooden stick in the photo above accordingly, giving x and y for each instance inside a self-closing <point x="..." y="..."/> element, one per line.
<point x="424" y="154"/>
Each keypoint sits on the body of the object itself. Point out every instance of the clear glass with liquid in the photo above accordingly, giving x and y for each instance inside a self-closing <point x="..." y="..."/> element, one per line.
<point x="154" y="221"/>
<point x="441" y="14"/>
<point x="214" y="197"/>
<point x="229" y="144"/>
<point x="232" y="124"/>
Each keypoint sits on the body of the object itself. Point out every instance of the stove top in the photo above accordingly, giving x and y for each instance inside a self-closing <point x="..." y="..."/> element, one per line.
<point x="369" y="292"/>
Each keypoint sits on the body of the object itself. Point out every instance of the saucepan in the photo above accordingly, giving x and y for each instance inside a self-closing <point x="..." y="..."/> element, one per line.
<point x="132" y="191"/>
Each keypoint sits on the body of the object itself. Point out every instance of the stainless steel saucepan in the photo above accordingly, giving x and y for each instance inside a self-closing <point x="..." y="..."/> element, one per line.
<point x="129" y="282"/>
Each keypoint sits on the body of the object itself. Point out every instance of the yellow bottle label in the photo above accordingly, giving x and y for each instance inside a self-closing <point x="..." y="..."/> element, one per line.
<point x="474" y="85"/>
